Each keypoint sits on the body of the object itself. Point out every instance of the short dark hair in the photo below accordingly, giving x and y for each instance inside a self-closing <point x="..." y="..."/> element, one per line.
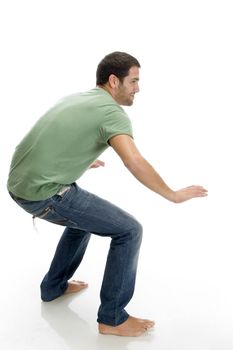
<point x="117" y="63"/>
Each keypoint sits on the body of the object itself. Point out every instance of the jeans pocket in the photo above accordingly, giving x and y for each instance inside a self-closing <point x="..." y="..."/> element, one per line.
<point x="50" y="214"/>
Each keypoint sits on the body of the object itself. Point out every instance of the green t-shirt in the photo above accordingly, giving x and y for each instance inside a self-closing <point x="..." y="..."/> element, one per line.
<point x="64" y="143"/>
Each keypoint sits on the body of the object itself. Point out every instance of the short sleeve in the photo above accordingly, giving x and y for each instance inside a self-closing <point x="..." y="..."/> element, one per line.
<point x="117" y="123"/>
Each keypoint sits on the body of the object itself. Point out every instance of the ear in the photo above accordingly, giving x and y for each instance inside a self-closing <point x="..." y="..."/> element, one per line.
<point x="113" y="81"/>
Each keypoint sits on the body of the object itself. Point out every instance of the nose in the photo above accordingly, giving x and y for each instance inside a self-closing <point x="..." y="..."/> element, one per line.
<point x="137" y="88"/>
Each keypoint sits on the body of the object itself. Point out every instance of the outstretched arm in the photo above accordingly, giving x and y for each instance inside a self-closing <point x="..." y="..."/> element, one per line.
<point x="147" y="175"/>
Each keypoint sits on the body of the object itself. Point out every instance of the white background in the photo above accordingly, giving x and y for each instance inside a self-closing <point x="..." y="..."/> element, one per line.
<point x="181" y="120"/>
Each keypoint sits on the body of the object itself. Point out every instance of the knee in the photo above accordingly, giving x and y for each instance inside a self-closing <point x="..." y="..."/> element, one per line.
<point x="137" y="230"/>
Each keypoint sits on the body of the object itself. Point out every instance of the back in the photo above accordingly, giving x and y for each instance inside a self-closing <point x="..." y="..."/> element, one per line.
<point x="64" y="143"/>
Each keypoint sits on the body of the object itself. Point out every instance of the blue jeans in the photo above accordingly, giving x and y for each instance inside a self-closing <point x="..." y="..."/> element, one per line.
<point x="84" y="213"/>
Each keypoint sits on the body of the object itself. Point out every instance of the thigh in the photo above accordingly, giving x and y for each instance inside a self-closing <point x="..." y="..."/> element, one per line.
<point x="89" y="212"/>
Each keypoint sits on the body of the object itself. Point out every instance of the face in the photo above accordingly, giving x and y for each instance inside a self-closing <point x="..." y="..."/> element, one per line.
<point x="125" y="91"/>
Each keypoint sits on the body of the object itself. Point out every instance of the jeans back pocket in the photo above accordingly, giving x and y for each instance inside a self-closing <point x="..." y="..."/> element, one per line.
<point x="50" y="214"/>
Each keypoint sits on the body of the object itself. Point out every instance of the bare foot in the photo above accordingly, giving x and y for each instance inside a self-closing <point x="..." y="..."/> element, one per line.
<point x="132" y="327"/>
<point x="75" y="286"/>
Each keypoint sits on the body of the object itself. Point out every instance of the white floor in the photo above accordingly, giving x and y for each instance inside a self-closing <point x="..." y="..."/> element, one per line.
<point x="184" y="283"/>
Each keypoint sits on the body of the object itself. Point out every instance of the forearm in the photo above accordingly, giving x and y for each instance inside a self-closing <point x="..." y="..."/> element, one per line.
<point x="147" y="175"/>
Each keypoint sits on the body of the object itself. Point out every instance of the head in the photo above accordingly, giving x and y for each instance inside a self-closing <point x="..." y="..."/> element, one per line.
<point x="118" y="73"/>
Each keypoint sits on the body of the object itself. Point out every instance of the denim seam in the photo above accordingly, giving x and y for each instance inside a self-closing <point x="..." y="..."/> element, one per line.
<point x="122" y="284"/>
<point x="104" y="221"/>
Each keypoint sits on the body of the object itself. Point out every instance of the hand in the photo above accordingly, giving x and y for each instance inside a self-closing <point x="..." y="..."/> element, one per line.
<point x="188" y="193"/>
<point x="97" y="164"/>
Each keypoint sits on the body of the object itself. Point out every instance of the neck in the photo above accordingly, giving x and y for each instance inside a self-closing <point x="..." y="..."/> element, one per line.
<point x="107" y="89"/>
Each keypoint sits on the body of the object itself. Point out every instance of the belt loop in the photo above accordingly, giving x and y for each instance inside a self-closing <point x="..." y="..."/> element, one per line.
<point x="63" y="190"/>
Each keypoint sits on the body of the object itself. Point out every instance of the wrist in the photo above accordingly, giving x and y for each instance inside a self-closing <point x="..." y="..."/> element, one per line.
<point x="171" y="196"/>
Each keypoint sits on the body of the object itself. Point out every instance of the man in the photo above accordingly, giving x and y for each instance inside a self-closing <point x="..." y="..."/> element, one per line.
<point x="60" y="147"/>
